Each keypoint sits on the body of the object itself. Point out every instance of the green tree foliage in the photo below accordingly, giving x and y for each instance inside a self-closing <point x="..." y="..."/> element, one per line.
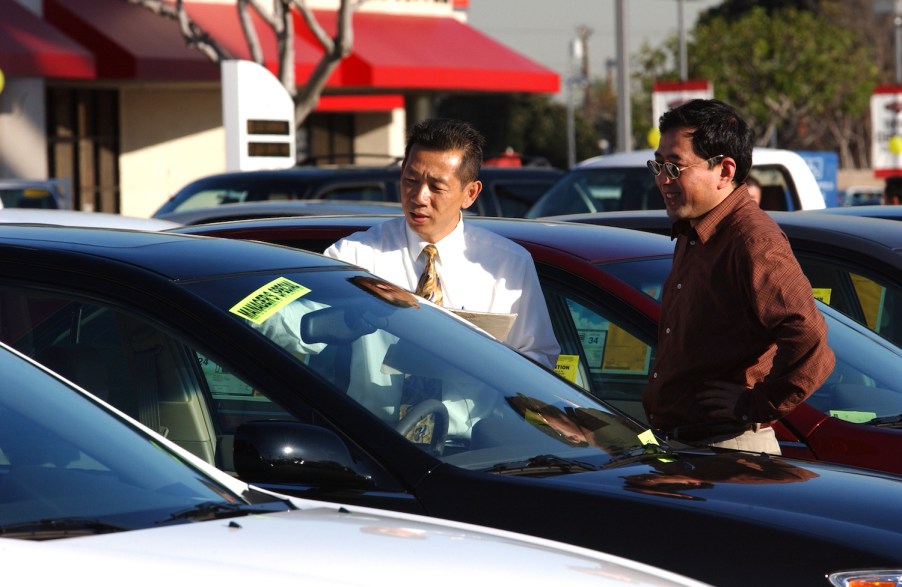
<point x="787" y="71"/>
<point x="532" y="124"/>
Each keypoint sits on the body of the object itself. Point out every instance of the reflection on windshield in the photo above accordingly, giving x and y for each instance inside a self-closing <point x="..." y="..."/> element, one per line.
<point x="677" y="478"/>
<point x="447" y="387"/>
<point x="867" y="380"/>
<point x="69" y="468"/>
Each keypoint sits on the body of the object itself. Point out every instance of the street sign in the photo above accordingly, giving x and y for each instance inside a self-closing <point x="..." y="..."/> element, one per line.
<point x="258" y="116"/>
<point x="886" y="133"/>
<point x="668" y="95"/>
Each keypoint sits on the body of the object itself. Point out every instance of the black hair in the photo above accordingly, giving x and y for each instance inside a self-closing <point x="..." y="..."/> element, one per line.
<point x="717" y="129"/>
<point x="445" y="134"/>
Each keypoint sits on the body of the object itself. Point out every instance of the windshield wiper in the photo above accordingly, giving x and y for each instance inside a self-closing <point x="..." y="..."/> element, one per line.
<point x="50" y="529"/>
<point x="217" y="510"/>
<point x="542" y="464"/>
<point x="886" y="422"/>
<point x="637" y="454"/>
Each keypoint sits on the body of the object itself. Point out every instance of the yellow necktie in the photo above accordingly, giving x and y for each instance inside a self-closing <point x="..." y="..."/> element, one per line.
<point x="430" y="286"/>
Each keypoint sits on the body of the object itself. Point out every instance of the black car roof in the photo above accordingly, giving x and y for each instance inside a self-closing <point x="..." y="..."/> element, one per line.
<point x="172" y="255"/>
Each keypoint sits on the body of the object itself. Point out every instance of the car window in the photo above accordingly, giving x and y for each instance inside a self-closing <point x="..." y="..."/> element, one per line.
<point x="602" y="350"/>
<point x="373" y="192"/>
<point x="516" y="197"/>
<point x="867" y="380"/>
<point x="138" y="367"/>
<point x="776" y="187"/>
<point x="869" y="299"/>
<point x="600" y="190"/>
<point x="27" y="198"/>
<point x="69" y="468"/>
<point x="212" y="197"/>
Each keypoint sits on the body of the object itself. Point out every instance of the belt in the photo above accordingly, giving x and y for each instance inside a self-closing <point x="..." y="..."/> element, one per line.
<point x="695" y="432"/>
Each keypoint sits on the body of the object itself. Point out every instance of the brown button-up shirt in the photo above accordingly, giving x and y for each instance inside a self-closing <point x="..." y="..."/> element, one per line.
<point x="736" y="307"/>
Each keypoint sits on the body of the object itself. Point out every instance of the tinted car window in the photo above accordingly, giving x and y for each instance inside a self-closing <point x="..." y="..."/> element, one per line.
<point x="600" y="190"/>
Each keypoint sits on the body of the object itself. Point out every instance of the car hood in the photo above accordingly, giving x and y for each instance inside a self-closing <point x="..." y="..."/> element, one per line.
<point x="758" y="489"/>
<point x="325" y="546"/>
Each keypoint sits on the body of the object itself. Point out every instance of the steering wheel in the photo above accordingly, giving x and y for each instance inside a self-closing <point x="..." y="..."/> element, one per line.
<point x="415" y="427"/>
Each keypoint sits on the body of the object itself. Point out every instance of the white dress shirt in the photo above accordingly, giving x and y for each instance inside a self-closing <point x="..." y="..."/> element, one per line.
<point x="479" y="271"/>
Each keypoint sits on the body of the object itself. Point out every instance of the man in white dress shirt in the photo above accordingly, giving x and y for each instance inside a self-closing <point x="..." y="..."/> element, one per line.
<point x="478" y="270"/>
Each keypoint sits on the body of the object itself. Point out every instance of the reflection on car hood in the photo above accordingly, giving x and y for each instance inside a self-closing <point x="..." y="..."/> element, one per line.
<point x="324" y="546"/>
<point x="750" y="486"/>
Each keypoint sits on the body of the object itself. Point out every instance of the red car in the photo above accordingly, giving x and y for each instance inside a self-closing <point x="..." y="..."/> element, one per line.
<point x="602" y="286"/>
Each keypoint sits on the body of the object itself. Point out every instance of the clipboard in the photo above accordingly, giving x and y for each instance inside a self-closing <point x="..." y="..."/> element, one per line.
<point x="498" y="325"/>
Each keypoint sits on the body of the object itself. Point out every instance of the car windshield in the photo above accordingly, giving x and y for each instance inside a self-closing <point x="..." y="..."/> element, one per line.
<point x="600" y="190"/>
<point x="70" y="468"/>
<point x="447" y="387"/>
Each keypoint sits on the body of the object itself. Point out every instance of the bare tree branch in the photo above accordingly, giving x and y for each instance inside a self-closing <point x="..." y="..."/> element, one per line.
<point x="193" y="34"/>
<point x="250" y="33"/>
<point x="281" y="21"/>
<point x="334" y="50"/>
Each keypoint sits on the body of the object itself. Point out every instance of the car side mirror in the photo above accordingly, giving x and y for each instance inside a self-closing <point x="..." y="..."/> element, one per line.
<point x="273" y="451"/>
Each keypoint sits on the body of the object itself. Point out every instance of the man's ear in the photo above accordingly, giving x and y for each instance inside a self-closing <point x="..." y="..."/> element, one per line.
<point x="727" y="173"/>
<point x="470" y="193"/>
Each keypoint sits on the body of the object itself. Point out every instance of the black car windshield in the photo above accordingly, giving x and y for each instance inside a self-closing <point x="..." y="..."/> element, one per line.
<point x="447" y="387"/>
<point x="69" y="468"/>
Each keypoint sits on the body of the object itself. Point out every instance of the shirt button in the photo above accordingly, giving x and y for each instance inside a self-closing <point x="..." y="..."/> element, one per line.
<point x="667" y="331"/>
<point x="654" y="375"/>
<point x="679" y="286"/>
<point x="692" y="242"/>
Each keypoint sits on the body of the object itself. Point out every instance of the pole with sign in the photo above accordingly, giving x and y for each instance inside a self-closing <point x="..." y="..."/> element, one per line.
<point x="258" y="116"/>
<point x="667" y="95"/>
<point x="886" y="133"/>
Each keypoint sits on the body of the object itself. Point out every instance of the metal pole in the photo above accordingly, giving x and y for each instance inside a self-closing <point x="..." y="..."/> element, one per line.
<point x="624" y="110"/>
<point x="684" y="67"/>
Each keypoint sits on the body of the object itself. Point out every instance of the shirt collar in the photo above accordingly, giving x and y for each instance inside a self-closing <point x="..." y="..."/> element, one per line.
<point x="708" y="225"/>
<point x="454" y="240"/>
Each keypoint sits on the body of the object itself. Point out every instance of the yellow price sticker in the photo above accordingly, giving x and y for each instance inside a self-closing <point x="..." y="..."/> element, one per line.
<point x="567" y="367"/>
<point x="822" y="294"/>
<point x="648" y="437"/>
<point x="268" y="300"/>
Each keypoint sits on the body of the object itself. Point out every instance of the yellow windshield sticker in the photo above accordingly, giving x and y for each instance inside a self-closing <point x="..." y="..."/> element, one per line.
<point x="268" y="300"/>
<point x="648" y="437"/>
<point x="567" y="367"/>
<point x="853" y="416"/>
<point x="822" y="294"/>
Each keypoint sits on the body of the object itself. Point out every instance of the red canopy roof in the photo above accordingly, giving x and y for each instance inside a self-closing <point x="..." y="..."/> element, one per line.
<point x="30" y="47"/>
<point x="391" y="52"/>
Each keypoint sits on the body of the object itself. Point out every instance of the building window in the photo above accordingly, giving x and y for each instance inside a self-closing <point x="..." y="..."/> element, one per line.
<point x="83" y="145"/>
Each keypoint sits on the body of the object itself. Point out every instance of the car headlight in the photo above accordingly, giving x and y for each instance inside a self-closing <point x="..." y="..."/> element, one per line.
<point x="867" y="578"/>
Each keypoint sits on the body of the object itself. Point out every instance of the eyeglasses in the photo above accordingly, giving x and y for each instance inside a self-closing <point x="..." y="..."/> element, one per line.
<point x="673" y="171"/>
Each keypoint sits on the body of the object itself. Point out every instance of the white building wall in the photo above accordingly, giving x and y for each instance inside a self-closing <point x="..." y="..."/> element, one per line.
<point x="170" y="136"/>
<point x="23" y="119"/>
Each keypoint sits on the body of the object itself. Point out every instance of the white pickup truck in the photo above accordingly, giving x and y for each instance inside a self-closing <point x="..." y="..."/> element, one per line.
<point x="621" y="181"/>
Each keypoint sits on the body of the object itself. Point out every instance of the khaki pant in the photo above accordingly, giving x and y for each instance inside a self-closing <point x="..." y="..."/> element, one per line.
<point x="755" y="440"/>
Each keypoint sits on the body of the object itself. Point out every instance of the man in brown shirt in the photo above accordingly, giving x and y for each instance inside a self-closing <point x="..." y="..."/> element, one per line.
<point x="740" y="340"/>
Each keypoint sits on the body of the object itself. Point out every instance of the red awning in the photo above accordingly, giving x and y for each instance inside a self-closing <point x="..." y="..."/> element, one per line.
<point x="433" y="53"/>
<point x="391" y="52"/>
<point x="29" y="47"/>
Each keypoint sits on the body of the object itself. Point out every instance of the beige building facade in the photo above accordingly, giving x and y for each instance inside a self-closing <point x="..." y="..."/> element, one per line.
<point x="111" y="101"/>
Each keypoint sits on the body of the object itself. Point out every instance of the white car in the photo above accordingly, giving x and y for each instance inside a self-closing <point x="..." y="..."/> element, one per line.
<point x="621" y="181"/>
<point x="60" y="217"/>
<point x="89" y="495"/>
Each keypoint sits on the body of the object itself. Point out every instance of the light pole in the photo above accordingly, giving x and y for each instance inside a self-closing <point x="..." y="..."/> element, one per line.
<point x="624" y="109"/>
<point x="575" y="80"/>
